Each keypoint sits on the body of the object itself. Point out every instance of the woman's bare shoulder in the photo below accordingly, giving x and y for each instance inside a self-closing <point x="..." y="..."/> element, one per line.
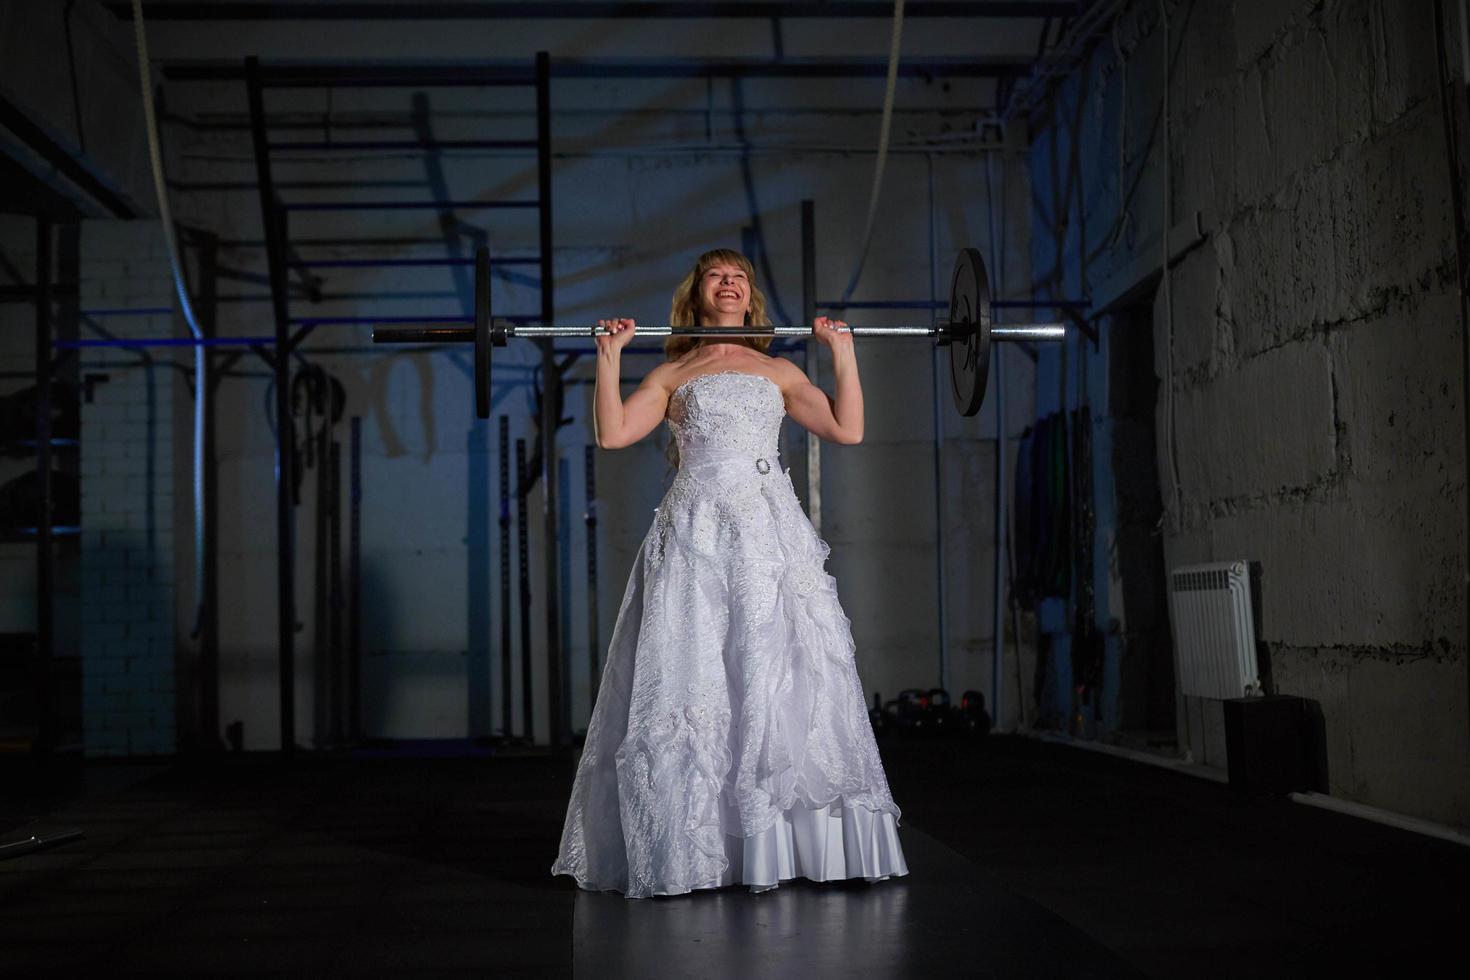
<point x="785" y="372"/>
<point x="663" y="376"/>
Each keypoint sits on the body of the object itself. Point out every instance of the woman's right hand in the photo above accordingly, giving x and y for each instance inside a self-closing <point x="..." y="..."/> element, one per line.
<point x="619" y="333"/>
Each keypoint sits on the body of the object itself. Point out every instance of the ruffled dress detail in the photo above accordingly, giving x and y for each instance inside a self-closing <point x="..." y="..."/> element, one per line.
<point x="730" y="740"/>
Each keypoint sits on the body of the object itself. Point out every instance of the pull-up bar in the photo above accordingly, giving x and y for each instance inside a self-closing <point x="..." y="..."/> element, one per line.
<point x="166" y="342"/>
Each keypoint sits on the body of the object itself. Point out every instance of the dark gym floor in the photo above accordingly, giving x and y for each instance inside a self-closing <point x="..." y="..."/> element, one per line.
<point x="1026" y="860"/>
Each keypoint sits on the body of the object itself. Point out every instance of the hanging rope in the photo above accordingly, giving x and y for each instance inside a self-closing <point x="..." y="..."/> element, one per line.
<point x="155" y="156"/>
<point x="890" y="89"/>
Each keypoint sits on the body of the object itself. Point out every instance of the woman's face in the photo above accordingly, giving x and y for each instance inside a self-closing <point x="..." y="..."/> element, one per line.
<point x="725" y="290"/>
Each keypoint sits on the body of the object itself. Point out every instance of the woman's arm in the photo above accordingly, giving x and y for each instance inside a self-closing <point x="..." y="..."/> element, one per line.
<point x="838" y="419"/>
<point x="617" y="423"/>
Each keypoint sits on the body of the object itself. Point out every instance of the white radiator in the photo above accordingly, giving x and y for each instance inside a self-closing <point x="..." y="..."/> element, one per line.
<point x="1214" y="630"/>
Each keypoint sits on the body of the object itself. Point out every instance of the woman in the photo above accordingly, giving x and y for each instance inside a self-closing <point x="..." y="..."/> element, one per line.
<point x="730" y="740"/>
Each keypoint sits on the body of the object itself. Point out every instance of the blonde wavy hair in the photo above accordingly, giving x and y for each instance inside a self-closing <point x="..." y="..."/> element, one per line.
<point x="686" y="310"/>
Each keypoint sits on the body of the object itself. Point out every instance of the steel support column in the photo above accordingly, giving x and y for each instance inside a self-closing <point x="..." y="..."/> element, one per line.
<point x="273" y="220"/>
<point x="551" y="396"/>
<point x="45" y="604"/>
<point x="813" y="348"/>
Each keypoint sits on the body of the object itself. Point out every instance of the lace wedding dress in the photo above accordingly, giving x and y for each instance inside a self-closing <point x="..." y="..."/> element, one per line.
<point x="730" y="741"/>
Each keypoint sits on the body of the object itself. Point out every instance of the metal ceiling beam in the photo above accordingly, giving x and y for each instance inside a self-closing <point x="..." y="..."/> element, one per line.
<point x="38" y="141"/>
<point x="387" y="74"/>
<point x="532" y="10"/>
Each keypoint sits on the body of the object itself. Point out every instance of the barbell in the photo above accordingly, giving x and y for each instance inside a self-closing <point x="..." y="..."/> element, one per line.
<point x="968" y="332"/>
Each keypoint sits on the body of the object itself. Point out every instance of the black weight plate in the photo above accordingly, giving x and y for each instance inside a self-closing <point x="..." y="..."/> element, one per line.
<point x="482" y="332"/>
<point x="969" y="324"/>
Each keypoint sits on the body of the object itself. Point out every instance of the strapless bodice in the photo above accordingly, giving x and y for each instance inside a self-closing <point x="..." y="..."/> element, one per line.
<point x="725" y="415"/>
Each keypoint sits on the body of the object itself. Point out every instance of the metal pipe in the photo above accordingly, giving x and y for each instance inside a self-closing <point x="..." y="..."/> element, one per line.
<point x="919" y="145"/>
<point x="1039" y="304"/>
<point x="997" y="661"/>
<point x="130" y="342"/>
<point x="397" y="263"/>
<point x="888" y="304"/>
<point x="224" y="10"/>
<point x="507" y="731"/>
<point x="523" y="578"/>
<point x="813" y="362"/>
<point x="273" y="219"/>
<point x="594" y="642"/>
<point x="358" y="321"/>
<point x="130" y="311"/>
<point x="354" y="589"/>
<point x="404" y="205"/>
<point x="45" y="609"/>
<point x="936" y="389"/>
<point x="998" y="565"/>
<point x="513" y="72"/>
<point x="934" y="304"/>
<point x="62" y="158"/>
<point x="317" y="146"/>
<point x="551" y="400"/>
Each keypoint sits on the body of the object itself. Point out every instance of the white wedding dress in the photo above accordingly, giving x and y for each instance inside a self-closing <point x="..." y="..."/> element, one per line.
<point x="730" y="741"/>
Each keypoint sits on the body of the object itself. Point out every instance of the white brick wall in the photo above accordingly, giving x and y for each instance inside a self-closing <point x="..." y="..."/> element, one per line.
<point x="127" y="500"/>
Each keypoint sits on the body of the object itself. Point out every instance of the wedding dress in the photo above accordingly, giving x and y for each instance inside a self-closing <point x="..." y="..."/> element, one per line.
<point x="730" y="740"/>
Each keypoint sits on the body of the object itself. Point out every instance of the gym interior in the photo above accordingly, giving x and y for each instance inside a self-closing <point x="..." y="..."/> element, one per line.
<point x="1154" y="547"/>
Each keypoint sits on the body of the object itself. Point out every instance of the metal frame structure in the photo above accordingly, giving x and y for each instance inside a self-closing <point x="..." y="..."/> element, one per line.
<point x="512" y="73"/>
<point x="258" y="77"/>
<point x="41" y="295"/>
<point x="561" y="10"/>
<point x="275" y="220"/>
<point x="45" y="604"/>
<point x="1073" y="309"/>
<point x="1054" y="20"/>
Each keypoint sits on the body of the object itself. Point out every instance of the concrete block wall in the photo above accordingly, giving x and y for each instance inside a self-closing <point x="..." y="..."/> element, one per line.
<point x="128" y="499"/>
<point x="1316" y="353"/>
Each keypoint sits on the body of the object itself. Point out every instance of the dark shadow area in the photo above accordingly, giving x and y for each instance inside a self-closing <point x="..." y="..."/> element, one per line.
<point x="945" y="918"/>
<point x="1025" y="859"/>
<point x="1146" y="696"/>
<point x="1182" y="876"/>
<point x="327" y="866"/>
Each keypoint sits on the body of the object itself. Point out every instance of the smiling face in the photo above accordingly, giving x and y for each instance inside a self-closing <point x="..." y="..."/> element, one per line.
<point x="719" y="291"/>
<point x="724" y="292"/>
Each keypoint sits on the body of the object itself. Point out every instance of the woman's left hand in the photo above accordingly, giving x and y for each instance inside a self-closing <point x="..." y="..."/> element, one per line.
<point x="829" y="332"/>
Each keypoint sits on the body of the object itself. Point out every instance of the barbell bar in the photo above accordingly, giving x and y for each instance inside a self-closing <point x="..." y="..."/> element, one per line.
<point x="968" y="332"/>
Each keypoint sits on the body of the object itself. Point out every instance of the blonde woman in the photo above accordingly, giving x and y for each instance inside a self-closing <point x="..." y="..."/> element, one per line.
<point x="730" y="741"/>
